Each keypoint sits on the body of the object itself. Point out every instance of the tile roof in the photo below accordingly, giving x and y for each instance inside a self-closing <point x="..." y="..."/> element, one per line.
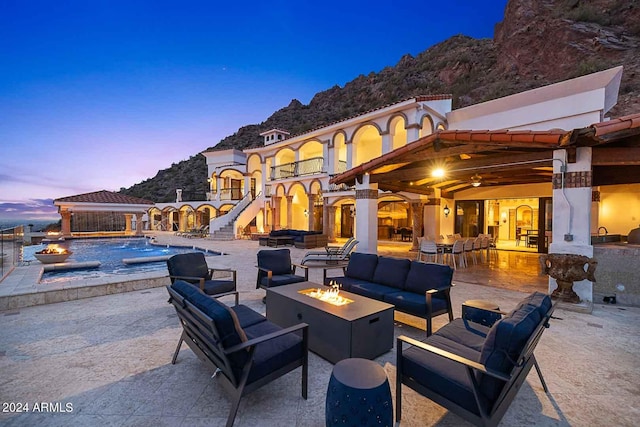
<point x="106" y="197"/>
<point x="497" y="140"/>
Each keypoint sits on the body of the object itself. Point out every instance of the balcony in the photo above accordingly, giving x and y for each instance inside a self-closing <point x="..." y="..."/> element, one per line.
<point x="303" y="167"/>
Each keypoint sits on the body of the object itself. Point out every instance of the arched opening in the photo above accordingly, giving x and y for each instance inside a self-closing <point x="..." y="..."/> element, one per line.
<point x="340" y="152"/>
<point x="367" y="144"/>
<point x="398" y="132"/>
<point x="311" y="159"/>
<point x="299" y="207"/>
<point x="284" y="164"/>
<point x="426" y="126"/>
<point x="232" y="185"/>
<point x="394" y="219"/>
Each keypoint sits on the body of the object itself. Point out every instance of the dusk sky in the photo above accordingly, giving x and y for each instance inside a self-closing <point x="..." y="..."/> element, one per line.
<point x="101" y="94"/>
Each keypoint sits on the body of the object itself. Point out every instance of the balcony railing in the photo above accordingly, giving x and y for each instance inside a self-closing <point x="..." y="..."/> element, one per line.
<point x="342" y="166"/>
<point x="303" y="167"/>
<point x="230" y="193"/>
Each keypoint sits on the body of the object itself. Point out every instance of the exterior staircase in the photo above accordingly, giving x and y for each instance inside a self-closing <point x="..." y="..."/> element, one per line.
<point x="223" y="227"/>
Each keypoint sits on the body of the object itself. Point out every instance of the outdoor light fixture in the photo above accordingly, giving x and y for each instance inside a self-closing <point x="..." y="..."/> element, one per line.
<point x="476" y="180"/>
<point x="446" y="210"/>
<point x="306" y="212"/>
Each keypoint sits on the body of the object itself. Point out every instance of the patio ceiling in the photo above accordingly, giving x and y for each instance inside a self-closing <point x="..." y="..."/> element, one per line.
<point x="502" y="157"/>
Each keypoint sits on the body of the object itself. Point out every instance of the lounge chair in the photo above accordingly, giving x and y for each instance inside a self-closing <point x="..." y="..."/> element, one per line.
<point x="275" y="269"/>
<point x="331" y="257"/>
<point x="332" y="249"/>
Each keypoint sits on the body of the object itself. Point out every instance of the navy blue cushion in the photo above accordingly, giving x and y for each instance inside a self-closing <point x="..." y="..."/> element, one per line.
<point x="362" y="266"/>
<point x="344" y="282"/>
<point x="246" y="316"/>
<point x="391" y="271"/>
<point x="272" y="355"/>
<point x="225" y="320"/>
<point x="213" y="287"/>
<point x="415" y="304"/>
<point x="371" y="290"/>
<point x="539" y="300"/>
<point x="424" y="276"/>
<point x="281" y="279"/>
<point x="503" y="345"/>
<point x="442" y="375"/>
<point x="277" y="233"/>
<point x="466" y="333"/>
<point x="276" y="260"/>
<point x="191" y="264"/>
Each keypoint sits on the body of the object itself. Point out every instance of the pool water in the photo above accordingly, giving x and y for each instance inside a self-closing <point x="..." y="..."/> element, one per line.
<point x="110" y="253"/>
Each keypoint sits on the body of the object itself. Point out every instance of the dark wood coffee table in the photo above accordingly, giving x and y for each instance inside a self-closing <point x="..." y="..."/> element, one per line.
<point x="363" y="328"/>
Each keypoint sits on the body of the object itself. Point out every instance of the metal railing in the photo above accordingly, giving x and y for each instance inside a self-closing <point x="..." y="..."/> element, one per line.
<point x="341" y="167"/>
<point x="11" y="242"/>
<point x="303" y="167"/>
<point x="233" y="193"/>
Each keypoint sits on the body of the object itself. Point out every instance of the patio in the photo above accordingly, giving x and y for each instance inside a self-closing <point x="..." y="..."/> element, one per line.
<point x="109" y="357"/>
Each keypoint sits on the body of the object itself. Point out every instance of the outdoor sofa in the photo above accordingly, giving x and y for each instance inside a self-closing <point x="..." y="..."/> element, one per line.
<point x="245" y="350"/>
<point x="413" y="287"/>
<point x="302" y="239"/>
<point x="475" y="370"/>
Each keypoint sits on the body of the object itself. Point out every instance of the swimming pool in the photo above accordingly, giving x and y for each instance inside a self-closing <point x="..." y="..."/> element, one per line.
<point x="110" y="252"/>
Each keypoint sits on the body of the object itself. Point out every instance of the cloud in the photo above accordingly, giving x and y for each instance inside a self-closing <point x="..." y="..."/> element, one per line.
<point x="28" y="209"/>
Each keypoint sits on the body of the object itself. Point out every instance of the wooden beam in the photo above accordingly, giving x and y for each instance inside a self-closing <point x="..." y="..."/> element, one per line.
<point x="602" y="156"/>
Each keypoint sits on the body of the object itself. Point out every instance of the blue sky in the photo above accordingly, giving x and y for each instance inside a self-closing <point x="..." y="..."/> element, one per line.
<point x="102" y="94"/>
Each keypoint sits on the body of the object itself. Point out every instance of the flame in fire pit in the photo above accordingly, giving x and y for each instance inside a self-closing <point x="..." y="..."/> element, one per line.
<point x="53" y="250"/>
<point x="330" y="295"/>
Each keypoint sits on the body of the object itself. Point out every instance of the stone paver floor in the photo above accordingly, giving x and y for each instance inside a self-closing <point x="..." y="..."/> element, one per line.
<point x="106" y="361"/>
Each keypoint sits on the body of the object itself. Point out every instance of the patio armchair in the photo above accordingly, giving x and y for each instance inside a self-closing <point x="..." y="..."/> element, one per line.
<point x="192" y="268"/>
<point x="242" y="347"/>
<point x="473" y="370"/>
<point x="275" y="269"/>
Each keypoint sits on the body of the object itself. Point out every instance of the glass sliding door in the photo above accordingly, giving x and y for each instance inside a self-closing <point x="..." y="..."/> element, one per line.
<point x="469" y="218"/>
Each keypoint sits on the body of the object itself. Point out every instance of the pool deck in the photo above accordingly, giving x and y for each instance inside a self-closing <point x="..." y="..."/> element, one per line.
<point x="109" y="357"/>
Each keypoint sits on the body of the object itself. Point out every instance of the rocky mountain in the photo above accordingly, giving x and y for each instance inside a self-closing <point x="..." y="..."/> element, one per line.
<point x="539" y="42"/>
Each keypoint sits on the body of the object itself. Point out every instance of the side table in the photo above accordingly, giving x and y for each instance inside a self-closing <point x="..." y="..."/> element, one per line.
<point x="358" y="395"/>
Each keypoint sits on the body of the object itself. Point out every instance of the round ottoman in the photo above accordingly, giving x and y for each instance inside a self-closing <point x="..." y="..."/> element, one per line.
<point x="358" y="395"/>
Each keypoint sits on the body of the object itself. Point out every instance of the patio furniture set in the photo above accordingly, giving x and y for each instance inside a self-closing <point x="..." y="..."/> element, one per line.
<point x="472" y="366"/>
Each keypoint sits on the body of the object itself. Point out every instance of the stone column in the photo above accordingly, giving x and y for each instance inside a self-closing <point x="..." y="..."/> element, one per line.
<point x="572" y="199"/>
<point x="416" y="217"/>
<point x="431" y="218"/>
<point x="413" y="132"/>
<point x="289" y="211"/>
<point x="139" y="224"/>
<point x="275" y="212"/>
<point x="367" y="216"/>
<point x="386" y="142"/>
<point x="127" y="222"/>
<point x="247" y="184"/>
<point x="351" y="153"/>
<point x="66" y="223"/>
<point x="311" y="211"/>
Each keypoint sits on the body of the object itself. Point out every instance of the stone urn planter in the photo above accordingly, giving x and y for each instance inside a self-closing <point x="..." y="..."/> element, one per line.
<point x="566" y="269"/>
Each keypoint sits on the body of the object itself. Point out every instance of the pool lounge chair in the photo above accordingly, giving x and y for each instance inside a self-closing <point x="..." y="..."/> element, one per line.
<point x="332" y="249"/>
<point x="330" y="257"/>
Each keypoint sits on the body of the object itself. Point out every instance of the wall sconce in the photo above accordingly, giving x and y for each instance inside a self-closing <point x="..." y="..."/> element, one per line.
<point x="446" y="211"/>
<point x="306" y="212"/>
<point x="504" y="217"/>
<point x="353" y="210"/>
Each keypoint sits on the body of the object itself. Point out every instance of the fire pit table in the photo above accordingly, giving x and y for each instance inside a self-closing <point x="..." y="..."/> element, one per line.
<point x="361" y="327"/>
